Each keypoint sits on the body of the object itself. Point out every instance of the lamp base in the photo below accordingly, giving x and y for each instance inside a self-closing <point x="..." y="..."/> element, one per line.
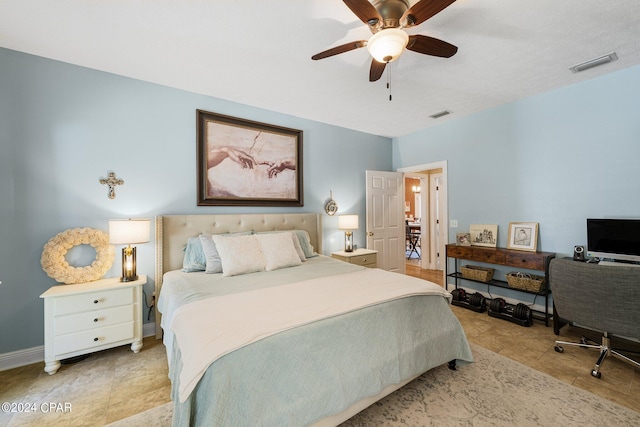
<point x="129" y="264"/>
<point x="348" y="241"/>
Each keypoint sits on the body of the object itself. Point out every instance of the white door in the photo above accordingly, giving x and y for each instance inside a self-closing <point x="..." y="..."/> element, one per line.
<point x="385" y="218"/>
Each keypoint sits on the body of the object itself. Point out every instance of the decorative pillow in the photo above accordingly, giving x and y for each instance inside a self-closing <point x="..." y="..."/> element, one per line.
<point x="305" y="242"/>
<point x="239" y="254"/>
<point x="278" y="251"/>
<point x="194" y="257"/>
<point x="294" y="238"/>
<point x="298" y="246"/>
<point x="213" y="262"/>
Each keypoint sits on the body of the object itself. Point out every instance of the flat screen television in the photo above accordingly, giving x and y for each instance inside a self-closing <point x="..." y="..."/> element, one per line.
<point x="616" y="239"/>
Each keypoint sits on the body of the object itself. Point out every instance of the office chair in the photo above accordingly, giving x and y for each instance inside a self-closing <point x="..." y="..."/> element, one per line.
<point x="604" y="299"/>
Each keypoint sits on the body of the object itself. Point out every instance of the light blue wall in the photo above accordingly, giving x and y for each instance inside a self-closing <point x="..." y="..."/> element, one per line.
<point x="63" y="127"/>
<point x="556" y="159"/>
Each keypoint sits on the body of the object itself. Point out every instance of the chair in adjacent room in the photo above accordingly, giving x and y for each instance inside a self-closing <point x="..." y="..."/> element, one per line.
<point x="604" y="299"/>
<point x="412" y="240"/>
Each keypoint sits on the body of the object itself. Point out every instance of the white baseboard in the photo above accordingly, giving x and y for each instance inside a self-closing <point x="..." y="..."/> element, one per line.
<point x="15" y="359"/>
<point x="28" y="356"/>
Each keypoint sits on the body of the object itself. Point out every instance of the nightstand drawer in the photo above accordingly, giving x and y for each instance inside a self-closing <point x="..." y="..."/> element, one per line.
<point x="364" y="260"/>
<point x="93" y="319"/>
<point x="93" y="301"/>
<point x="93" y="338"/>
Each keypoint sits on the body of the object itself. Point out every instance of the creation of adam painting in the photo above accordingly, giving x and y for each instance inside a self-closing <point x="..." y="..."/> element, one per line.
<point x="247" y="163"/>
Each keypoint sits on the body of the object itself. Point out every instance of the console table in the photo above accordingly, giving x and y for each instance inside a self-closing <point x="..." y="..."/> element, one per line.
<point x="501" y="256"/>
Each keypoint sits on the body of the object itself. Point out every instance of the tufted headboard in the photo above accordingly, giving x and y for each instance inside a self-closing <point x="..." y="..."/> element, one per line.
<point x="173" y="231"/>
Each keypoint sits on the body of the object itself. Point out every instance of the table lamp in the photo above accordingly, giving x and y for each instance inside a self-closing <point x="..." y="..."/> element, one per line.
<point x="348" y="223"/>
<point x="128" y="232"/>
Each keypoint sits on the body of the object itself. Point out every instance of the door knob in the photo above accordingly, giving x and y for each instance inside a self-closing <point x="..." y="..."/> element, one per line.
<point x="370" y="233"/>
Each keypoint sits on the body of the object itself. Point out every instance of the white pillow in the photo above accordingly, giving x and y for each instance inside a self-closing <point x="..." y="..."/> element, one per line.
<point x="305" y="243"/>
<point x="239" y="254"/>
<point x="294" y="237"/>
<point x="296" y="245"/>
<point x="278" y="250"/>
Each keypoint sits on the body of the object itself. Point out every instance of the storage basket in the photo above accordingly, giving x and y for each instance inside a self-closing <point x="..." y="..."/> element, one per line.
<point x="525" y="281"/>
<point x="474" y="272"/>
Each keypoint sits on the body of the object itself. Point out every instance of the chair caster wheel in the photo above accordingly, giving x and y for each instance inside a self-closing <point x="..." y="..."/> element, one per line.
<point x="558" y="349"/>
<point x="596" y="374"/>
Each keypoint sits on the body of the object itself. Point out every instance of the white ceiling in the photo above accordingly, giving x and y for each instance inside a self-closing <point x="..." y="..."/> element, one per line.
<point x="258" y="52"/>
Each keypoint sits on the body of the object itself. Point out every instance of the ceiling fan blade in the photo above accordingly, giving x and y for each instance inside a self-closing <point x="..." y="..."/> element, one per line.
<point x="423" y="10"/>
<point x="431" y="46"/>
<point x="363" y="10"/>
<point x="377" y="68"/>
<point x="340" y="49"/>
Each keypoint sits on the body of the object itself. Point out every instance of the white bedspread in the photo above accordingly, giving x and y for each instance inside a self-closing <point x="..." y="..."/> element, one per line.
<point x="208" y="329"/>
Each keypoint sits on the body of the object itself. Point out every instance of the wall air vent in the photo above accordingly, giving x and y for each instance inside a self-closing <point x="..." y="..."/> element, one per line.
<point x="440" y="114"/>
<point x="594" y="62"/>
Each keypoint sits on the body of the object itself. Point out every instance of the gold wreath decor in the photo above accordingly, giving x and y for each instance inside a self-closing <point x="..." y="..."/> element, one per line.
<point x="54" y="263"/>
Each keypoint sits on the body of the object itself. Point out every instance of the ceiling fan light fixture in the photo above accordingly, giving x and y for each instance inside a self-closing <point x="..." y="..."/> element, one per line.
<point x="387" y="45"/>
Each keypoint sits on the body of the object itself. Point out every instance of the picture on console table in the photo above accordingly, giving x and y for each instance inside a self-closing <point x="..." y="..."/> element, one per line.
<point x="463" y="239"/>
<point x="523" y="236"/>
<point x="484" y="235"/>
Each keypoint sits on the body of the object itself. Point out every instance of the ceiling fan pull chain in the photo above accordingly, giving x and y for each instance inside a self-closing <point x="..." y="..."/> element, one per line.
<point x="389" y="80"/>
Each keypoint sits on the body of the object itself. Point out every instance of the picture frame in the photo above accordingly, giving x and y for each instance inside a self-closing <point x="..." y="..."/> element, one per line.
<point x="523" y="236"/>
<point x="484" y="235"/>
<point x="246" y="163"/>
<point x="463" y="239"/>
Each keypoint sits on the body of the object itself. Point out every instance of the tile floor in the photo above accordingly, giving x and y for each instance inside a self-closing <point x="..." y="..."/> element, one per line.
<point x="114" y="384"/>
<point x="108" y="386"/>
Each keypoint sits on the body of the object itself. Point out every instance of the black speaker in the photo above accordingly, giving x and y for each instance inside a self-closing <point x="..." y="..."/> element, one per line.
<point x="578" y="253"/>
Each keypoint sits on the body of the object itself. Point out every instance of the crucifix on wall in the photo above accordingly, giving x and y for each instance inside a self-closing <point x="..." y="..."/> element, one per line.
<point x="112" y="181"/>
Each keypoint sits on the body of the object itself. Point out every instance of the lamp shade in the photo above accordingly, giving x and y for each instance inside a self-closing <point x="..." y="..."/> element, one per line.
<point x="348" y="222"/>
<point x="387" y="45"/>
<point x="129" y="231"/>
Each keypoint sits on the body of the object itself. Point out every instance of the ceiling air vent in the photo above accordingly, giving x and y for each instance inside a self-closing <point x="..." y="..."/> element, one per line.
<point x="440" y="114"/>
<point x="594" y="62"/>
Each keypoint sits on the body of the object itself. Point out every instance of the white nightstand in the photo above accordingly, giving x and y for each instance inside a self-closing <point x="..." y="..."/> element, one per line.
<point x="365" y="257"/>
<point x="88" y="317"/>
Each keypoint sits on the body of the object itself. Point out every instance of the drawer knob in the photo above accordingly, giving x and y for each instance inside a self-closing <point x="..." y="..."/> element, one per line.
<point x="95" y="339"/>
<point x="95" y="320"/>
<point x="95" y="301"/>
<point x="364" y="260"/>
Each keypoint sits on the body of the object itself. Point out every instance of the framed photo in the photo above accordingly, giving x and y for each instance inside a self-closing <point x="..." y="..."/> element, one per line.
<point x="463" y="239"/>
<point x="246" y="163"/>
<point x="484" y="235"/>
<point x="523" y="236"/>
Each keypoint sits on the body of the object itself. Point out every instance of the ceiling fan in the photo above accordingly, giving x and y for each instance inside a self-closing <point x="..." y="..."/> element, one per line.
<point x="387" y="20"/>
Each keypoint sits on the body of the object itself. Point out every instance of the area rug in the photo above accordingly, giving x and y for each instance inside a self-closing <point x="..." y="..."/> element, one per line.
<point x="493" y="391"/>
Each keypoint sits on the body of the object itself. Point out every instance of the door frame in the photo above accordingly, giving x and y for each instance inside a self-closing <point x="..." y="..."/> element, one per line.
<point x="444" y="196"/>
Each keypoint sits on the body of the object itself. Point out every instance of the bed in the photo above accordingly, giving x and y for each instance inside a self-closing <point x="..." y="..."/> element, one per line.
<point x="313" y="343"/>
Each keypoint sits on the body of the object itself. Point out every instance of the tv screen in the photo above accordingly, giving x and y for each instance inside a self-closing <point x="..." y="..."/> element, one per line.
<point x="617" y="239"/>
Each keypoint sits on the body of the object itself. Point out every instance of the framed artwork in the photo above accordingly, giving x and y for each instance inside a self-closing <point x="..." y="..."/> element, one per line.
<point x="246" y="163"/>
<point x="523" y="236"/>
<point x="463" y="239"/>
<point x="484" y="235"/>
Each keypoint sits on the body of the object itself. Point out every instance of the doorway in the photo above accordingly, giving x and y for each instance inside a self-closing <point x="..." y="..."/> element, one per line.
<point x="425" y="208"/>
